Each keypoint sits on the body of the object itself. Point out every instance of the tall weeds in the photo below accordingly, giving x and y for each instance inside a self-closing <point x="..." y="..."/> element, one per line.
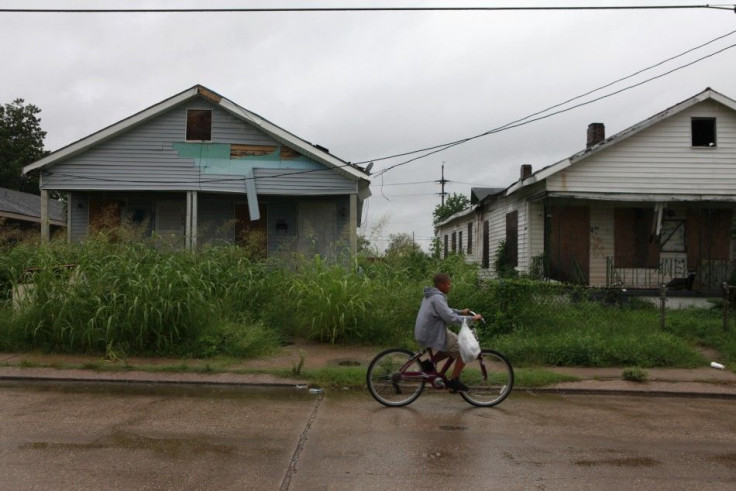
<point x="131" y="298"/>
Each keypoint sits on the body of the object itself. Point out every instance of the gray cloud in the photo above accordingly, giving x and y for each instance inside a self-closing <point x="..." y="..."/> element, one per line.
<point x="367" y="85"/>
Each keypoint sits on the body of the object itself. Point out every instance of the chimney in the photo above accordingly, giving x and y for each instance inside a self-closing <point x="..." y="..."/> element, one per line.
<point x="526" y="171"/>
<point x="596" y="134"/>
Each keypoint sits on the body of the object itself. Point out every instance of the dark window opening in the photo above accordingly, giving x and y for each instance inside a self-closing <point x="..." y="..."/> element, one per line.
<point x="704" y="132"/>
<point x="199" y="124"/>
<point x="470" y="238"/>
<point x="454" y="242"/>
<point x="460" y="241"/>
<point x="445" y="249"/>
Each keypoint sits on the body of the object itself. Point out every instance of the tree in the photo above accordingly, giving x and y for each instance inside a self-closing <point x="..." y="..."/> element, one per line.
<point x="453" y="204"/>
<point x="21" y="143"/>
<point x="402" y="245"/>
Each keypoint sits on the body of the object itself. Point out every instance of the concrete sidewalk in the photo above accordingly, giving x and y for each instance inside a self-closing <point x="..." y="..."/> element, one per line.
<point x="701" y="382"/>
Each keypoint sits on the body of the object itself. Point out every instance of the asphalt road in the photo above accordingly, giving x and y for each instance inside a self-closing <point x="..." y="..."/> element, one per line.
<point x="63" y="436"/>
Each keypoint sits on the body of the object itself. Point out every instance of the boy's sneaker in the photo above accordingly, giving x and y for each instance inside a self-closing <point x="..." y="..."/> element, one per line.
<point x="456" y="386"/>
<point x="427" y="366"/>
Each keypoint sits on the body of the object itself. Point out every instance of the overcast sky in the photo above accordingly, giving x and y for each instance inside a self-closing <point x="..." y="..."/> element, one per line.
<point x="367" y="85"/>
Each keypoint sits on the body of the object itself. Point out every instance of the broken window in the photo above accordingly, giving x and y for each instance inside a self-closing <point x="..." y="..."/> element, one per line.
<point x="672" y="236"/>
<point x="704" y="132"/>
<point x="199" y="124"/>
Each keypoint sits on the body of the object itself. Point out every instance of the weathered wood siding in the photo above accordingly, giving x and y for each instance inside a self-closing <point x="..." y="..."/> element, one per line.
<point x="661" y="160"/>
<point x="145" y="158"/>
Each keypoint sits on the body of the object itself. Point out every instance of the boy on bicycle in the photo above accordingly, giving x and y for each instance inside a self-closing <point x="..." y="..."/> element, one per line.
<point x="430" y="329"/>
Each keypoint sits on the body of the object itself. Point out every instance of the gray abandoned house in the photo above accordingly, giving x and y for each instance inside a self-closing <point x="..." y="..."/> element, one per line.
<point x="651" y="205"/>
<point x="197" y="169"/>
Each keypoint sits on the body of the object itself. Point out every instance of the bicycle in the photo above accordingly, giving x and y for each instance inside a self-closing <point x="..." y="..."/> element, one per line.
<point x="396" y="377"/>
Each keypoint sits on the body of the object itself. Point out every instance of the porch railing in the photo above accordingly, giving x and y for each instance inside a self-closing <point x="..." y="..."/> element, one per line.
<point x="708" y="274"/>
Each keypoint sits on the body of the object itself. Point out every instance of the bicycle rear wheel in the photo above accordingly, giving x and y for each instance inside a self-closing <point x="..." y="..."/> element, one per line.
<point x="388" y="381"/>
<point x="490" y="379"/>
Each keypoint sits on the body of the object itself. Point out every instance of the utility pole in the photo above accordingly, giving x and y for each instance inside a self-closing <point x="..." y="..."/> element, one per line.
<point x="442" y="182"/>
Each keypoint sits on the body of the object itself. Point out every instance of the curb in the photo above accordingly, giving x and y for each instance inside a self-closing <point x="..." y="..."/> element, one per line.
<point x="625" y="392"/>
<point x="211" y="383"/>
<point x="122" y="381"/>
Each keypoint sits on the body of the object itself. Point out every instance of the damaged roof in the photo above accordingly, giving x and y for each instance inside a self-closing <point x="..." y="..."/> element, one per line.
<point x="315" y="152"/>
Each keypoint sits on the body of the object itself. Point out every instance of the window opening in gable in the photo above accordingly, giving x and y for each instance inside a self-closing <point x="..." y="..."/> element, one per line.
<point x="703" y="132"/>
<point x="199" y="124"/>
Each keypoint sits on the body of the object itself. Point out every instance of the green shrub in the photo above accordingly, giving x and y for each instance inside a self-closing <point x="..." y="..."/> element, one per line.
<point x="635" y="374"/>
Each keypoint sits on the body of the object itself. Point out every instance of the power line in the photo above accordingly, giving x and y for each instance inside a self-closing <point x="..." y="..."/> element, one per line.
<point x="639" y="72"/>
<point x="508" y="126"/>
<point x="365" y="9"/>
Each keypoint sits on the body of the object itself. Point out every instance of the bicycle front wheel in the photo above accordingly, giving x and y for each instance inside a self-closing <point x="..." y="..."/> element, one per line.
<point x="394" y="379"/>
<point x="490" y="379"/>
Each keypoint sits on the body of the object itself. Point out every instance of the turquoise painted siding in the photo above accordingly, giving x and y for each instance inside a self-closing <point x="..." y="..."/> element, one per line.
<point x="154" y="156"/>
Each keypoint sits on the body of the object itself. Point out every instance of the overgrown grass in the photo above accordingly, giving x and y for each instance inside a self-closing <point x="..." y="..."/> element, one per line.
<point x="127" y="299"/>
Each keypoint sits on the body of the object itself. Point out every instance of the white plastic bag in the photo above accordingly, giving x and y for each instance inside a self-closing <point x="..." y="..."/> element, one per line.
<point x="469" y="347"/>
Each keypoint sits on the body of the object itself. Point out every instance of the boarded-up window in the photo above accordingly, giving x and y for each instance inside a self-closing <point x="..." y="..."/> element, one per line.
<point x="444" y="251"/>
<point x="454" y="242"/>
<point x="704" y="132"/>
<point x="569" y="243"/>
<point x="105" y="214"/>
<point x="708" y="235"/>
<point x="512" y="238"/>
<point x="634" y="245"/>
<point x="199" y="124"/>
<point x="486" y="246"/>
<point x="460" y="241"/>
<point x="251" y="234"/>
<point x="470" y="238"/>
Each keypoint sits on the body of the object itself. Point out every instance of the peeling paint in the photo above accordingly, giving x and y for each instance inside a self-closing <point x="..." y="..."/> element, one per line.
<point x="209" y="95"/>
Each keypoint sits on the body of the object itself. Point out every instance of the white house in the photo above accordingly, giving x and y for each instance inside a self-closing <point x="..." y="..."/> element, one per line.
<point x="650" y="204"/>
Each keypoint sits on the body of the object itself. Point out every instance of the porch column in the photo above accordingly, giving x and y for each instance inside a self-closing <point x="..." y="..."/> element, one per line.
<point x="195" y="219"/>
<point x="353" y="225"/>
<point x="45" y="229"/>
<point x="190" y="241"/>
<point x="69" y="218"/>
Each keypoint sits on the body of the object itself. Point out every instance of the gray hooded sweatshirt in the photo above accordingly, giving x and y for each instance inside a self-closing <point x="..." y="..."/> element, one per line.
<point x="432" y="319"/>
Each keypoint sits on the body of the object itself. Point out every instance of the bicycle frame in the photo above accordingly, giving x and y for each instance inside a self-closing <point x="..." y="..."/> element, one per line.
<point x="439" y="375"/>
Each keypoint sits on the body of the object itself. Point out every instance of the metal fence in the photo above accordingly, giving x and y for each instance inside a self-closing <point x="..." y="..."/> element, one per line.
<point x="674" y="272"/>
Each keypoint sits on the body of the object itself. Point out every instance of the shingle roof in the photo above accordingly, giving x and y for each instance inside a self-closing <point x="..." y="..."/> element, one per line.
<point x="28" y="205"/>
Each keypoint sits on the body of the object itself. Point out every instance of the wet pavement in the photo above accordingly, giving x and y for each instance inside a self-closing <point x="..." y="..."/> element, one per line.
<point x="82" y="435"/>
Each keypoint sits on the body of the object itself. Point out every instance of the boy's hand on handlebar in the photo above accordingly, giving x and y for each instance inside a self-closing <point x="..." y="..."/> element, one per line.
<point x="477" y="317"/>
